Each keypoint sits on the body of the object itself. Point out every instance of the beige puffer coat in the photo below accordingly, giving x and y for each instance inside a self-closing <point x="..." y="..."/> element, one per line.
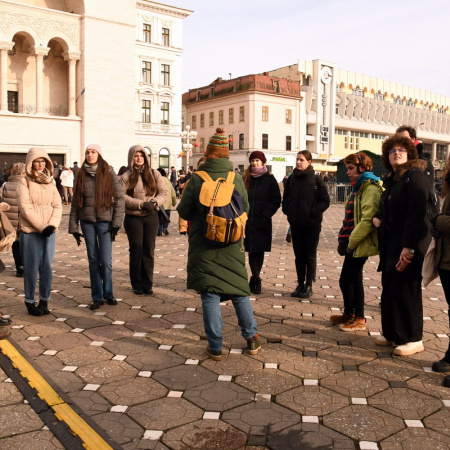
<point x="10" y="197"/>
<point x="133" y="203"/>
<point x="39" y="204"/>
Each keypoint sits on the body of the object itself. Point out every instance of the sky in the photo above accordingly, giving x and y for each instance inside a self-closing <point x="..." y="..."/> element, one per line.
<point x="406" y="42"/>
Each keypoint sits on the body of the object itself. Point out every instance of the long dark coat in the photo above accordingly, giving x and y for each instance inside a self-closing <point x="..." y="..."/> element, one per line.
<point x="404" y="222"/>
<point x="305" y="199"/>
<point x="264" y="198"/>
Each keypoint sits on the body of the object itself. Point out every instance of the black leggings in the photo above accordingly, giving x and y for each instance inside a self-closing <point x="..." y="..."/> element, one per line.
<point x="255" y="261"/>
<point x="304" y="242"/>
<point x="351" y="284"/>
<point x="445" y="280"/>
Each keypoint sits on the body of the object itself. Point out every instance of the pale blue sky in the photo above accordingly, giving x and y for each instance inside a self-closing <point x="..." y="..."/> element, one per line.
<point x="398" y="40"/>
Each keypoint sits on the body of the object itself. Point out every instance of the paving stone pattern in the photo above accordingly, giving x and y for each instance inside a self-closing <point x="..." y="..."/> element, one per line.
<point x="139" y="369"/>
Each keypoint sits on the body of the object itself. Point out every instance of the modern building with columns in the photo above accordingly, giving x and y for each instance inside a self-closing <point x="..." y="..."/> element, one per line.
<point x="71" y="74"/>
<point x="326" y="110"/>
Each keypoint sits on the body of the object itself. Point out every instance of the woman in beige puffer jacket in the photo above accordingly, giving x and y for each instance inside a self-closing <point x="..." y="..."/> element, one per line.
<point x="40" y="212"/>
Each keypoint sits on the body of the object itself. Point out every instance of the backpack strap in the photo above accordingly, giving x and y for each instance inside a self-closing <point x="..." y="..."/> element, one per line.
<point x="203" y="175"/>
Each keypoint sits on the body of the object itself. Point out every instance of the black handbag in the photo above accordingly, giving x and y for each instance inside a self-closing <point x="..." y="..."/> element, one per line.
<point x="162" y="216"/>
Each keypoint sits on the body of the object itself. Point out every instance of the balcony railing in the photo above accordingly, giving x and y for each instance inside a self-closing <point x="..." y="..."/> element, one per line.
<point x="58" y="111"/>
<point x="157" y="127"/>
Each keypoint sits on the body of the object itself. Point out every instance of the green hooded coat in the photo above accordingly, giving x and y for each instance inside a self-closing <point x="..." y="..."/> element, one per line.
<point x="219" y="270"/>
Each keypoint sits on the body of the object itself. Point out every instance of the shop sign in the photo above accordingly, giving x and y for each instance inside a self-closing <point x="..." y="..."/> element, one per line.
<point x="279" y="158"/>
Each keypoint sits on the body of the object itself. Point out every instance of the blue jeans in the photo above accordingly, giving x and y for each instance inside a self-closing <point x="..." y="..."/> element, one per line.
<point x="99" y="251"/>
<point x="212" y="318"/>
<point x="166" y="225"/>
<point x="37" y="253"/>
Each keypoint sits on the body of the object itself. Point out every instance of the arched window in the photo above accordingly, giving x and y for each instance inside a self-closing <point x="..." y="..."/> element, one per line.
<point x="164" y="159"/>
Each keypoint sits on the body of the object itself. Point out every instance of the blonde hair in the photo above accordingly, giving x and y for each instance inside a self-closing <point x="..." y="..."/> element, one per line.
<point x="18" y="169"/>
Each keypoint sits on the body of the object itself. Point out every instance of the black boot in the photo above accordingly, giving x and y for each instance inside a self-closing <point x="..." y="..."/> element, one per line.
<point x="43" y="307"/>
<point x="297" y="291"/>
<point x="251" y="284"/>
<point x="257" y="288"/>
<point x="306" y="291"/>
<point x="33" y="309"/>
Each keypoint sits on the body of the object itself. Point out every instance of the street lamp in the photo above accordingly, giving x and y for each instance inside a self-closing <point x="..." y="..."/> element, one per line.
<point x="187" y="135"/>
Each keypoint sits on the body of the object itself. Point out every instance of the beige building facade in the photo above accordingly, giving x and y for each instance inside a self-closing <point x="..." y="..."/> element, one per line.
<point x="69" y="76"/>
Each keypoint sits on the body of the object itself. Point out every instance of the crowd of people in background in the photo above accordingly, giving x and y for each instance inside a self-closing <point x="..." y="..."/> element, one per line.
<point x="385" y="217"/>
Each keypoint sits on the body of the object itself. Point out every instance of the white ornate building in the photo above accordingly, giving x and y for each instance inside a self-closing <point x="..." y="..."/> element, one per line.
<point x="71" y="73"/>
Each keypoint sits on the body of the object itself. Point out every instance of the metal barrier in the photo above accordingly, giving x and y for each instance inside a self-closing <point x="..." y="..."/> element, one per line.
<point x="338" y="192"/>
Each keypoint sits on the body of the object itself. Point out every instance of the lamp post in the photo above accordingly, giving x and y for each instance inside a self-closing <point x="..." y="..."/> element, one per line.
<point x="187" y="135"/>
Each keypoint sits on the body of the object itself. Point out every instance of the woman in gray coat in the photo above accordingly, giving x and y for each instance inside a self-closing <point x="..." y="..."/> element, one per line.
<point x="98" y="206"/>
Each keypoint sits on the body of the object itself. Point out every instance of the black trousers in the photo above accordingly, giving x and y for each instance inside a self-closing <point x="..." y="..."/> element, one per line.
<point x="16" y="254"/>
<point x="351" y="284"/>
<point x="445" y="280"/>
<point x="255" y="261"/>
<point x="401" y="307"/>
<point x="304" y="242"/>
<point x="141" y="232"/>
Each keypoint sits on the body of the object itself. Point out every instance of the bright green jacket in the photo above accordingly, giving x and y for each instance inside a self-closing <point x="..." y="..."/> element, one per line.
<point x="364" y="238"/>
<point x="212" y="269"/>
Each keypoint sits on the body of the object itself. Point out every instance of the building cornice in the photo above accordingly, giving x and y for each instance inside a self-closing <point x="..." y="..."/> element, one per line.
<point x="163" y="9"/>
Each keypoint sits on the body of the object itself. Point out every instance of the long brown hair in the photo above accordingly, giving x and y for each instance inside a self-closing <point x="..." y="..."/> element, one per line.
<point x="445" y="185"/>
<point x="247" y="177"/>
<point x="105" y="194"/>
<point x="148" y="180"/>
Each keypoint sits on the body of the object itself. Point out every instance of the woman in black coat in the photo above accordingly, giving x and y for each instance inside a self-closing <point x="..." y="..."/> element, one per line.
<point x="404" y="238"/>
<point x="305" y="199"/>
<point x="264" y="199"/>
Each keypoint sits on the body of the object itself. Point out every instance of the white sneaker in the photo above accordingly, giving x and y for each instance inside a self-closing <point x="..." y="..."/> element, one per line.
<point x="381" y="340"/>
<point x="409" y="349"/>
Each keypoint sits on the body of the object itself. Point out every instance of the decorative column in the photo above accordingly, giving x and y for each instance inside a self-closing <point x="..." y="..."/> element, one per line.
<point x="5" y="47"/>
<point x="72" y="58"/>
<point x="40" y="52"/>
<point x="433" y="153"/>
<point x="448" y="151"/>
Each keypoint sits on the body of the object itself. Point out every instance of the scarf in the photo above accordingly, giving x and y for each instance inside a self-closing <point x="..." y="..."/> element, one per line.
<point x="139" y="169"/>
<point x="256" y="172"/>
<point x="43" y="176"/>
<point x="91" y="170"/>
<point x="298" y="172"/>
<point x="363" y="177"/>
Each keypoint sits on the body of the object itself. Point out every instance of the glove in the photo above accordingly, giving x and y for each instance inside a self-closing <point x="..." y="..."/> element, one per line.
<point x="113" y="231"/>
<point x="149" y="206"/>
<point x="342" y="249"/>
<point x="350" y="251"/>
<point x="47" y="231"/>
<point x="435" y="233"/>
<point x="78" y="237"/>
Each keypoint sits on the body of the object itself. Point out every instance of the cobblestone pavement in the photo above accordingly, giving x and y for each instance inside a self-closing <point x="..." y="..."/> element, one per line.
<point x="139" y="369"/>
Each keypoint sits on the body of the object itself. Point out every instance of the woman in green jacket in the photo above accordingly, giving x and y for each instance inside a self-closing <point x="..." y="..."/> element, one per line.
<point x="357" y="239"/>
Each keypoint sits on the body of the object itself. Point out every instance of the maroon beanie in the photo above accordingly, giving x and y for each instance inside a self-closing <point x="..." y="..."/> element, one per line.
<point x="257" y="155"/>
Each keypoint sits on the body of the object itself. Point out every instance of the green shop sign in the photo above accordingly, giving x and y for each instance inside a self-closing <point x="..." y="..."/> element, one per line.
<point x="279" y="158"/>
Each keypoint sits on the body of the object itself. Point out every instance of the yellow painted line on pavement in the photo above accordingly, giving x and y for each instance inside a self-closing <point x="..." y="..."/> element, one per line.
<point x="91" y="439"/>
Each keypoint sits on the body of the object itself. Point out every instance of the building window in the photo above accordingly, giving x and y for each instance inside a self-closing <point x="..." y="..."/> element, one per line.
<point x="276" y="86"/>
<point x="202" y="120"/>
<point x="398" y="101"/>
<point x="165" y="113"/>
<point x="289" y="116"/>
<point x="441" y="152"/>
<point x="289" y="170"/>
<point x="194" y="122"/>
<point x="341" y="132"/>
<point x="13" y="101"/>
<point x="231" y="115"/>
<point x="165" y="74"/>
<point x="337" y="109"/>
<point x="359" y="134"/>
<point x="338" y="88"/>
<point x="441" y="110"/>
<point x="378" y="96"/>
<point x="265" y="113"/>
<point x="288" y="142"/>
<point x="221" y="117"/>
<point x="146" y="111"/>
<point x="382" y="137"/>
<point x="211" y="119"/>
<point x="241" y="141"/>
<point x="164" y="159"/>
<point x="211" y="92"/>
<point x="410" y="103"/>
<point x="165" y="37"/>
<point x="358" y="92"/>
<point x="427" y="106"/>
<point x="230" y="141"/>
<point x="202" y="145"/>
<point x="241" y="113"/>
<point x="265" y="141"/>
<point x="146" y="72"/>
<point x="147" y="33"/>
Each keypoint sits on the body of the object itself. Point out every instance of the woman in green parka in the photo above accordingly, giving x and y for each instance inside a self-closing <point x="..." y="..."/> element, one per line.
<point x="217" y="273"/>
<point x="357" y="239"/>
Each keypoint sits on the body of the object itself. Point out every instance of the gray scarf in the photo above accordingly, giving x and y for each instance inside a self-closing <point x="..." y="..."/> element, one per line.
<point x="91" y="170"/>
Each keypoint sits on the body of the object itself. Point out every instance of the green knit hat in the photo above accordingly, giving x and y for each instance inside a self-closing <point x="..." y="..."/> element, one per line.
<point x="218" y="145"/>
